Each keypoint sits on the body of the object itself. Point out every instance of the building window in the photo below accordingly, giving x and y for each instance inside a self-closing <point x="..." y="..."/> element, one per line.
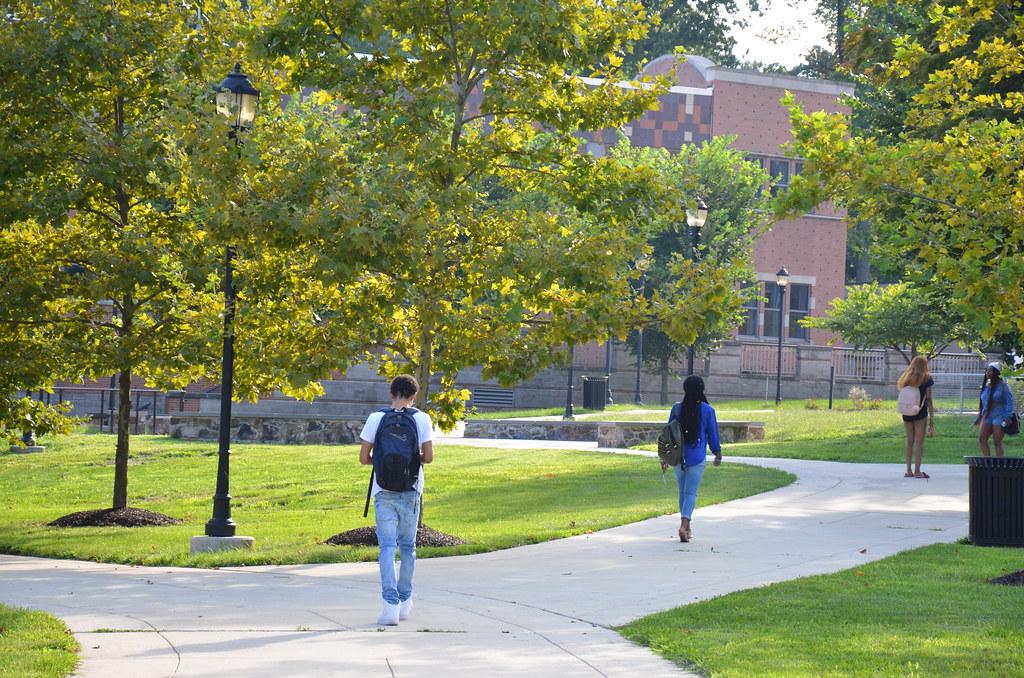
<point x="771" y="309"/>
<point x="750" y="308"/>
<point x="761" y="317"/>
<point x="778" y="169"/>
<point x="799" y="307"/>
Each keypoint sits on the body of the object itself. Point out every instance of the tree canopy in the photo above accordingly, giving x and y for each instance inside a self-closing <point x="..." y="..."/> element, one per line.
<point x="907" y="319"/>
<point x="499" y="240"/>
<point x="697" y="287"/>
<point x="947" y="185"/>
<point x="702" y="27"/>
<point x="119" y="190"/>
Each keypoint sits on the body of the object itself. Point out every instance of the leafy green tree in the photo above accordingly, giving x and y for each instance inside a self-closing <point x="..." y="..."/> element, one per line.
<point x="730" y="186"/>
<point x="947" y="187"/>
<point x="907" y="319"/>
<point x="24" y="366"/>
<point x="828" y="61"/>
<point x="497" y="242"/>
<point x="26" y="363"/>
<point x="701" y="27"/>
<point x="119" y="190"/>
<point x="84" y="91"/>
<point x="280" y="199"/>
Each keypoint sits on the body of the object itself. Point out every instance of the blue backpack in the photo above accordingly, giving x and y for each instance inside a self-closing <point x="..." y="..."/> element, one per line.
<point x="396" y="450"/>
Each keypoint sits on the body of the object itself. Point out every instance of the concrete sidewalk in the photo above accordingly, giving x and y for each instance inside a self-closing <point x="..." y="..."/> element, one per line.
<point x="541" y="610"/>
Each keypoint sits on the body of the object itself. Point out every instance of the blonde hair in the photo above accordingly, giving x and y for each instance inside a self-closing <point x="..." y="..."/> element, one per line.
<point x="916" y="373"/>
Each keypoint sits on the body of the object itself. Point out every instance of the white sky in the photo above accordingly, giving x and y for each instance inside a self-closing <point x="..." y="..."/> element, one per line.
<point x="783" y="35"/>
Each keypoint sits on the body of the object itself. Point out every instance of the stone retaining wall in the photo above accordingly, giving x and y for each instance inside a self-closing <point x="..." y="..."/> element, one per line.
<point x="604" y="433"/>
<point x="291" y="430"/>
<point x="300" y="430"/>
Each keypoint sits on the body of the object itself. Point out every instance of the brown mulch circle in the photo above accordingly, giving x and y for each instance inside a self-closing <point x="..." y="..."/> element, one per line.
<point x="1012" y="579"/>
<point x="123" y="517"/>
<point x="367" y="536"/>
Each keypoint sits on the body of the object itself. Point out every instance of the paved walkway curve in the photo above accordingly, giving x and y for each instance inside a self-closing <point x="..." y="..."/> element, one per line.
<point x="539" y="610"/>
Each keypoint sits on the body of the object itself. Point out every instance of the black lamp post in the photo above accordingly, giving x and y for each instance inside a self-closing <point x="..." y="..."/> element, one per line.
<point x="568" y="388"/>
<point x="642" y="265"/>
<point x="695" y="218"/>
<point x="238" y="101"/>
<point x="781" y="280"/>
<point x="608" y="347"/>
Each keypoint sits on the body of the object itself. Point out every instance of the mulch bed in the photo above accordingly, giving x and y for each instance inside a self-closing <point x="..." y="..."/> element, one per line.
<point x="123" y="517"/>
<point x="1012" y="579"/>
<point x="367" y="536"/>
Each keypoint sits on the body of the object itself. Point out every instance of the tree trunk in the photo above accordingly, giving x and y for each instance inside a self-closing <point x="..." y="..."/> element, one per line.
<point x="423" y="377"/>
<point x="124" y="413"/>
<point x="423" y="363"/>
<point x="663" y="367"/>
<point x="124" y="405"/>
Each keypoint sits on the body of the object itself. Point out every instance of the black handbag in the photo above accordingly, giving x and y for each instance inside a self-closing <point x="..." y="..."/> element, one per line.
<point x="1011" y="426"/>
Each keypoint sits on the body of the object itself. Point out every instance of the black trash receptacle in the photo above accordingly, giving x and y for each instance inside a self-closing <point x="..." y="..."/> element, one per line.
<point x="996" y="500"/>
<point x="595" y="392"/>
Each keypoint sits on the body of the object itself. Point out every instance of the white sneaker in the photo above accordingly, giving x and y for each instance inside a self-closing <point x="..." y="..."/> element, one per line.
<point x="404" y="608"/>
<point x="389" y="615"/>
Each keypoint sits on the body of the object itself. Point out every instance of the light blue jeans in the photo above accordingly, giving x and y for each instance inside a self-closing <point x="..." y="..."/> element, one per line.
<point x="689" y="482"/>
<point x="397" y="516"/>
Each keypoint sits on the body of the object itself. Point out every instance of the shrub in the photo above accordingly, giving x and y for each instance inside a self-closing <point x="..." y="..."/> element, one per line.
<point x="858" y="397"/>
<point x="812" y="405"/>
<point x="875" y="404"/>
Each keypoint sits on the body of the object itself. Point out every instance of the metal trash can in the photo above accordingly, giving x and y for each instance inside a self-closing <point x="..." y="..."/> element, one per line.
<point x="595" y="392"/>
<point x="996" y="500"/>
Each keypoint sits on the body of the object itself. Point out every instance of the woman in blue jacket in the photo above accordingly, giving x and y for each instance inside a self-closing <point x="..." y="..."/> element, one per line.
<point x="994" y="407"/>
<point x="700" y="431"/>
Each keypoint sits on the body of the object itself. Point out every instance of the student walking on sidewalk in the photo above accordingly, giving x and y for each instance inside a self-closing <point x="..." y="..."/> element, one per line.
<point x="700" y="431"/>
<point x="397" y="441"/>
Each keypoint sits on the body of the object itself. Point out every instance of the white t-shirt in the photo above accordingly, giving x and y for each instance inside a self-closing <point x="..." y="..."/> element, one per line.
<point x="424" y="431"/>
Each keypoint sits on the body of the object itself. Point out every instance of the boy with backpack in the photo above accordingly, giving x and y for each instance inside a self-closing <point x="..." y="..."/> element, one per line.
<point x="397" y="441"/>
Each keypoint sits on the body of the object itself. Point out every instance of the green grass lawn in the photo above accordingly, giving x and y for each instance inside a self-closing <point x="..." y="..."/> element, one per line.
<point x="791" y="420"/>
<point x="927" y="612"/>
<point x="841" y="434"/>
<point x="34" y="645"/>
<point x="291" y="498"/>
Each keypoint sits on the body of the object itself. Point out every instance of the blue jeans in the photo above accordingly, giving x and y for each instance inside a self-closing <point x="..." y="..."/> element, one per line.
<point x="688" y="482"/>
<point x="397" y="516"/>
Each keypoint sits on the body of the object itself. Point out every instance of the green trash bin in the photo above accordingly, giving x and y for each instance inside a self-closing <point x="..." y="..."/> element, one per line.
<point x="996" y="503"/>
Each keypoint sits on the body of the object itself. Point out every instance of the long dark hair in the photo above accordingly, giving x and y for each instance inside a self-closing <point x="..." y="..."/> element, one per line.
<point x="689" y="416"/>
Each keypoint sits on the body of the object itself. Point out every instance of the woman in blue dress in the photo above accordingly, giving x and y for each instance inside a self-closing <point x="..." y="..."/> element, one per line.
<point x="700" y="431"/>
<point x="994" y="407"/>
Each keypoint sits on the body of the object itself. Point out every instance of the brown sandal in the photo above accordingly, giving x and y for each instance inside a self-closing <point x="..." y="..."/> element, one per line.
<point x="683" y="535"/>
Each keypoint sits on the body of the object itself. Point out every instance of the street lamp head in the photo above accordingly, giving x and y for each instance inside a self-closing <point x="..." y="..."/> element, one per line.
<point x="237" y="99"/>
<point x="697" y="215"/>
<point x="782" y="277"/>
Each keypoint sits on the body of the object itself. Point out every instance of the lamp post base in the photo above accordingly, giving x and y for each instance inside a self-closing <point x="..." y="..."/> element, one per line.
<point x="18" y="449"/>
<point x="211" y="544"/>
